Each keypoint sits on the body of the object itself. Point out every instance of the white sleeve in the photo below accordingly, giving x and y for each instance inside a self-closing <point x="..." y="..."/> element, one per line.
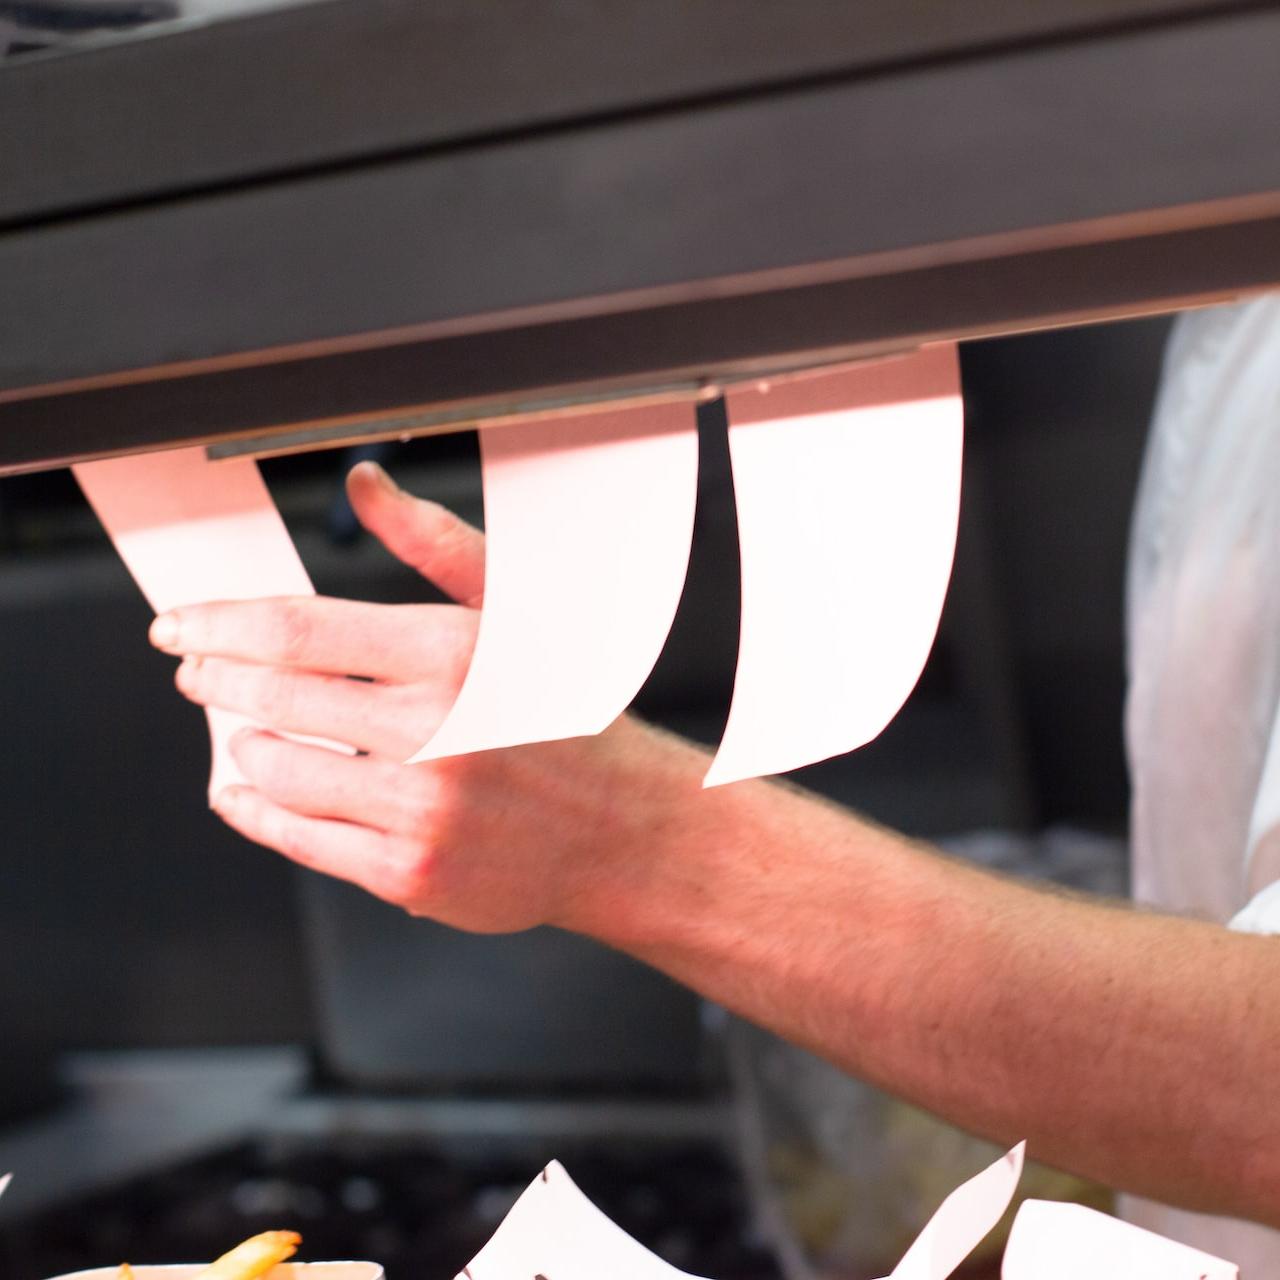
<point x="1261" y="914"/>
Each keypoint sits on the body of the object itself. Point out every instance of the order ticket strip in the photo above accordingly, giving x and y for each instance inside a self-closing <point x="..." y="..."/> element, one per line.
<point x="847" y="482"/>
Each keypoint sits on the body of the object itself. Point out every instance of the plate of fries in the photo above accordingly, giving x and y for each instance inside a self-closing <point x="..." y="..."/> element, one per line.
<point x="262" y="1257"/>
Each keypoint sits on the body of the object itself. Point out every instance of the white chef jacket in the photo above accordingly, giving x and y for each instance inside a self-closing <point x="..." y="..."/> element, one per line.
<point x="1204" y="664"/>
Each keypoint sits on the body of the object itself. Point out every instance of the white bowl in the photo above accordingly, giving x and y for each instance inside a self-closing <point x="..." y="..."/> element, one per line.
<point x="282" y="1271"/>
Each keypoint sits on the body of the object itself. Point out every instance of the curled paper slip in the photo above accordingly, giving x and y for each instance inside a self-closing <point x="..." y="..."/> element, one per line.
<point x="588" y="525"/>
<point x="968" y="1214"/>
<point x="1054" y="1241"/>
<point x="555" y="1232"/>
<point x="189" y="531"/>
<point x="847" y="484"/>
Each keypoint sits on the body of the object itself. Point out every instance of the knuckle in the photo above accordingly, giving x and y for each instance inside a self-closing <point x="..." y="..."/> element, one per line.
<point x="420" y="799"/>
<point x="402" y="718"/>
<point x="187" y="677"/>
<point x="273" y="698"/>
<point x="450" y="534"/>
<point x="413" y="878"/>
<point x="294" y="627"/>
<point x="437" y="537"/>
<point x="292" y="843"/>
<point x="283" y="832"/>
<point x="460" y="549"/>
<point x="462" y="646"/>
<point x="212" y="681"/>
<point x="204" y="676"/>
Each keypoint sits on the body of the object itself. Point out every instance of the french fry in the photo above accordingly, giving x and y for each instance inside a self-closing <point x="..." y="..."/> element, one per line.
<point x="125" y="1272"/>
<point x="254" y="1258"/>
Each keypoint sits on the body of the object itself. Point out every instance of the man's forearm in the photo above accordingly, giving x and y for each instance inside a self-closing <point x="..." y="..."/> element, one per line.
<point x="1138" y="1049"/>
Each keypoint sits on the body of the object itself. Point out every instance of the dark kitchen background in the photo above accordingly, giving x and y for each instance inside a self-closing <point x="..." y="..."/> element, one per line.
<point x="198" y="1041"/>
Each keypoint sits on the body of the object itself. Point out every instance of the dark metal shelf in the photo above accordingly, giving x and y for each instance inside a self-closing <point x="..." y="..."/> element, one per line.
<point x="599" y="232"/>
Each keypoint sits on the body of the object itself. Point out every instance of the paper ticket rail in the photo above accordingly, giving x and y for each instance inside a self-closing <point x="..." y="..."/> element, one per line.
<point x="848" y="482"/>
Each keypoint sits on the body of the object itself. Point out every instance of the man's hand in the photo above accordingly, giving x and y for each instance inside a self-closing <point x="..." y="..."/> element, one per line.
<point x="495" y="841"/>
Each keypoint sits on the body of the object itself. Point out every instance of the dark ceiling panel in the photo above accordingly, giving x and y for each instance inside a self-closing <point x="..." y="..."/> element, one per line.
<point x="337" y="82"/>
<point x="979" y="159"/>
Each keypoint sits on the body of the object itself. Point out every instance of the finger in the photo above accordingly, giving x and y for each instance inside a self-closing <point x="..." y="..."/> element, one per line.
<point x="320" y="783"/>
<point x="425" y="535"/>
<point x="371" y="859"/>
<point x="316" y="633"/>
<point x="387" y="720"/>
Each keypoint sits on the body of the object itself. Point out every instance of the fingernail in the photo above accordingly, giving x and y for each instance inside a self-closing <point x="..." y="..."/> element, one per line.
<point x="164" y="631"/>
<point x="186" y="672"/>
<point x="385" y="482"/>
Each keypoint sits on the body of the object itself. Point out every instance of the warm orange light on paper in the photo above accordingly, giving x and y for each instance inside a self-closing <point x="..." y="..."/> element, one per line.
<point x="588" y="524"/>
<point x="847" y="484"/>
<point x="189" y="531"/>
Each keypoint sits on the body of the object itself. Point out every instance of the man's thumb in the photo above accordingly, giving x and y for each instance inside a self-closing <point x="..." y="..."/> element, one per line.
<point x="427" y="537"/>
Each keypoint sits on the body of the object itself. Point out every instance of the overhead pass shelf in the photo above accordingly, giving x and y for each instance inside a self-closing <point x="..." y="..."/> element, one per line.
<point x="357" y="209"/>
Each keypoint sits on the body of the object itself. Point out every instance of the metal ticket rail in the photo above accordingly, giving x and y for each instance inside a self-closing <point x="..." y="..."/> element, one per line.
<point x="389" y="216"/>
